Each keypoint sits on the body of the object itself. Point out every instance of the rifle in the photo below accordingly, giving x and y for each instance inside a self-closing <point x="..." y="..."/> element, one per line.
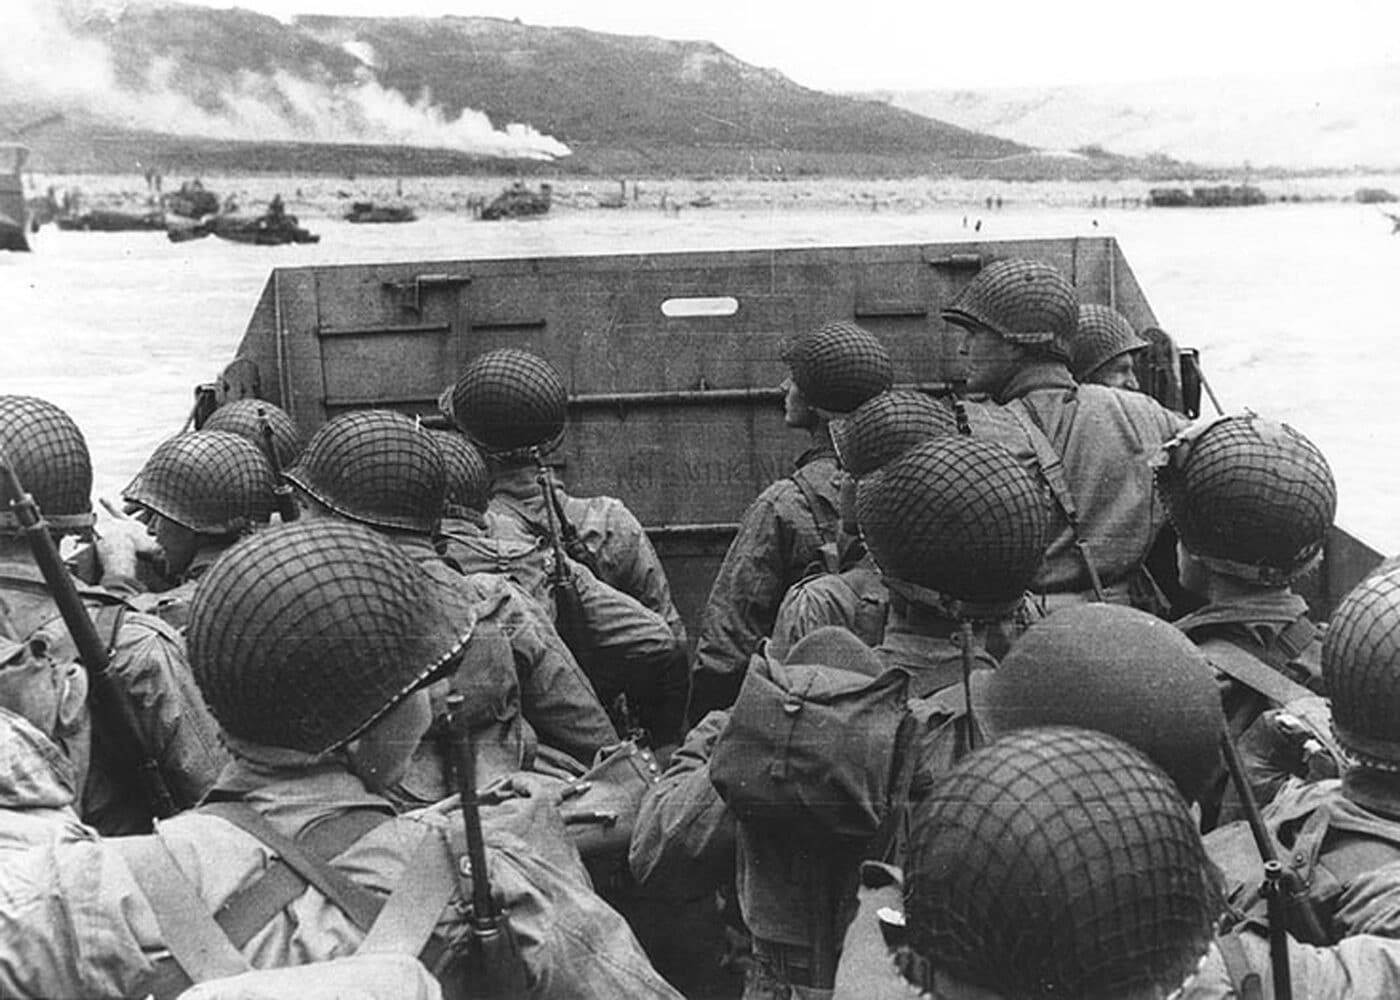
<point x="1283" y="894"/>
<point x="499" y="967"/>
<point x="569" y="619"/>
<point x="111" y="710"/>
<point x="286" y="500"/>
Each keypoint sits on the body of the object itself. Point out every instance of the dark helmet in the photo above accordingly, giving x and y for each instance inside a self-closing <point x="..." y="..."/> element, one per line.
<point x="957" y="516"/>
<point x="508" y="400"/>
<point x="1103" y="334"/>
<point x="838" y="366"/>
<point x="1361" y="667"/>
<point x="375" y="466"/>
<point x="1117" y="670"/>
<point x="1024" y="301"/>
<point x="245" y="417"/>
<point x="50" y="457"/>
<point x="1057" y="863"/>
<point x="1249" y="497"/>
<point x="886" y="426"/>
<point x="303" y="636"/>
<point x="212" y="482"/>
<point x="468" y="478"/>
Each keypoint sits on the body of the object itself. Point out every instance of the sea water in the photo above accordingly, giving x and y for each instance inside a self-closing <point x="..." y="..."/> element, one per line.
<point x="1293" y="306"/>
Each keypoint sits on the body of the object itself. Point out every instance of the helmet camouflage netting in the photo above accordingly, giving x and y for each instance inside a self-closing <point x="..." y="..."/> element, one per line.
<point x="1025" y="301"/>
<point x="213" y="482"/>
<point x="508" y="400"/>
<point x="50" y="458"/>
<point x="838" y="366"/>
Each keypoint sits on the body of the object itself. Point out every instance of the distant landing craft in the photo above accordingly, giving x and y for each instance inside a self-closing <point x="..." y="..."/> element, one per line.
<point x="14" y="214"/>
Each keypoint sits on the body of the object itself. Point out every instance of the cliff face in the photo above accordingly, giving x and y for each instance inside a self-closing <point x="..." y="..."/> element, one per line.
<point x="193" y="84"/>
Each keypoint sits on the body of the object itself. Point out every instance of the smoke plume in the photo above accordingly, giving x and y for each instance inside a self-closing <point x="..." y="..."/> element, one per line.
<point x="44" y="59"/>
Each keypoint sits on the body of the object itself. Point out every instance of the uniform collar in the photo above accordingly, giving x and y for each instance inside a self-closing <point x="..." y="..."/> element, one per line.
<point x="1034" y="376"/>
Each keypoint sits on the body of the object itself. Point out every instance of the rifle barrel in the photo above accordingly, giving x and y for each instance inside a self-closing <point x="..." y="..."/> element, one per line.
<point x="484" y="914"/>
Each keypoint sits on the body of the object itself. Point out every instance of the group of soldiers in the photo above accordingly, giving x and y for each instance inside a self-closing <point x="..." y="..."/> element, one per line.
<point x="391" y="713"/>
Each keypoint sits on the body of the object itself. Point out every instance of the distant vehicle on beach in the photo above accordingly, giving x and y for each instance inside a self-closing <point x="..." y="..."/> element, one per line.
<point x="106" y="220"/>
<point x="1219" y="196"/>
<point x="14" y="213"/>
<point x="368" y="211"/>
<point x="518" y="201"/>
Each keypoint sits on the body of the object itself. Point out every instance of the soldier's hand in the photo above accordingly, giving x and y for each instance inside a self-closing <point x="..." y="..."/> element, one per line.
<point x="120" y="541"/>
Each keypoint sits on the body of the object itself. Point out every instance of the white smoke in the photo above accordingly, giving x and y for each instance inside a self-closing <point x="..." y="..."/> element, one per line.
<point x="44" y="60"/>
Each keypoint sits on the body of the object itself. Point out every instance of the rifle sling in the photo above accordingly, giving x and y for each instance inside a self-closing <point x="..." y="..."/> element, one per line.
<point x="1253" y="673"/>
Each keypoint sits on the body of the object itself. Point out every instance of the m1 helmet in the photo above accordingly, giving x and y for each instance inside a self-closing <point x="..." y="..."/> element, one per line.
<point x="468" y="477"/>
<point x="1024" y="301"/>
<point x="1057" y="862"/>
<point x="508" y="402"/>
<point x="1249" y="497"/>
<point x="1102" y="334"/>
<point x="246" y="416"/>
<point x="886" y="426"/>
<point x="304" y="635"/>
<point x="957" y="516"/>
<point x="1361" y="668"/>
<point x="211" y="482"/>
<point x="50" y="458"/>
<point x="375" y="466"/>
<point x="838" y="366"/>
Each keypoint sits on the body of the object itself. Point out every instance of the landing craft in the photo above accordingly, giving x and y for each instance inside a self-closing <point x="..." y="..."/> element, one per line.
<point x="673" y="361"/>
<point x="14" y="213"/>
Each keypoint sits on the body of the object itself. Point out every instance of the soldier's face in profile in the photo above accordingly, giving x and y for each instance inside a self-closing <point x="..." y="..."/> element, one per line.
<point x="991" y="359"/>
<point x="1116" y="373"/>
<point x="796" y="412"/>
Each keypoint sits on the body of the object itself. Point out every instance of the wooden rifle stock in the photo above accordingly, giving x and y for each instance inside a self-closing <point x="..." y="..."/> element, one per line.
<point x="500" y="967"/>
<point x="110" y="707"/>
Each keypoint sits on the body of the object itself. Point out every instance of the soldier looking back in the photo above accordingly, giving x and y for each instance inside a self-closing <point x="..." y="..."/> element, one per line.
<point x="1091" y="442"/>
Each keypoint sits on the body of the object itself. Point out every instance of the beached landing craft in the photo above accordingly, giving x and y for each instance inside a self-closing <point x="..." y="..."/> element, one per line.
<point x="672" y="359"/>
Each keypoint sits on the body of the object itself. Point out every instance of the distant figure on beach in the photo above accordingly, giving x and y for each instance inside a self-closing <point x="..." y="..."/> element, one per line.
<point x="1394" y="222"/>
<point x="978" y="227"/>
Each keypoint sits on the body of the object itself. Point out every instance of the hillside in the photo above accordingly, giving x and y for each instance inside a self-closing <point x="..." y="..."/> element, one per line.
<point x="181" y="87"/>
<point x="1302" y="121"/>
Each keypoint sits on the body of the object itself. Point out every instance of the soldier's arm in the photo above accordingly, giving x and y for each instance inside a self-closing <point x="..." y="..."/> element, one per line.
<point x="626" y="558"/>
<point x="742" y="607"/>
<point x="683" y="840"/>
<point x="150" y="665"/>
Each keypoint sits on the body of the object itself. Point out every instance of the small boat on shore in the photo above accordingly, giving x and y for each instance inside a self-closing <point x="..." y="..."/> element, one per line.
<point x="105" y="220"/>
<point x="269" y="229"/>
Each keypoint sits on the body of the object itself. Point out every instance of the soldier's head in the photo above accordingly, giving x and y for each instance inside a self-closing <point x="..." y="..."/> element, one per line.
<point x="50" y="457"/>
<point x="247" y="417"/>
<point x="321" y="635"/>
<point x="957" y="526"/>
<point x="201" y="488"/>
<point x="510" y="404"/>
<point x="468" y="476"/>
<point x="1015" y="311"/>
<point x="377" y="467"/>
<point x="1116" y="670"/>
<point x="1361" y="668"/>
<point x="831" y="370"/>
<point x="1055" y="863"/>
<point x="1104" y="348"/>
<point x="1250" y="499"/>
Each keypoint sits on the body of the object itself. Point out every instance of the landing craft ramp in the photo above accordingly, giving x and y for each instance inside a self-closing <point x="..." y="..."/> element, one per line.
<point x="672" y="359"/>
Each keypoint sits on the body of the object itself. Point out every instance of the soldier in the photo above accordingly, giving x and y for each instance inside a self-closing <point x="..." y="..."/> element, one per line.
<point x="854" y="597"/>
<point x="628" y="648"/>
<point x="957" y="527"/>
<point x="513" y="406"/>
<point x="313" y="644"/>
<point x="50" y="457"/>
<point x="832" y="370"/>
<point x="1334" y="832"/>
<point x="1104" y="348"/>
<point x="201" y="492"/>
<point x="381" y="469"/>
<point x="1090" y="442"/>
<point x="1251" y="501"/>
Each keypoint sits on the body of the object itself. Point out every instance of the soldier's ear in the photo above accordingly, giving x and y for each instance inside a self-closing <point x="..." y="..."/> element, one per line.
<point x="72" y="698"/>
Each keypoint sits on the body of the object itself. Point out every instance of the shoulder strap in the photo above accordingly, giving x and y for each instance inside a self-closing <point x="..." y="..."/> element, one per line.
<point x="107" y="619"/>
<point x="197" y="943"/>
<point x="407" y="921"/>
<point x="825" y="526"/>
<point x="889" y="836"/>
<point x="250" y="909"/>
<point x="1243" y="666"/>
<point x="357" y="903"/>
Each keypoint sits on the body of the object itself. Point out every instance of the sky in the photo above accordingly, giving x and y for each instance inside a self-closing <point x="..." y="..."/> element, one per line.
<point x="941" y="44"/>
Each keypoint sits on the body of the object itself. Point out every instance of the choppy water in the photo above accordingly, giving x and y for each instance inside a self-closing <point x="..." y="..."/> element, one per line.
<point x="1292" y="305"/>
